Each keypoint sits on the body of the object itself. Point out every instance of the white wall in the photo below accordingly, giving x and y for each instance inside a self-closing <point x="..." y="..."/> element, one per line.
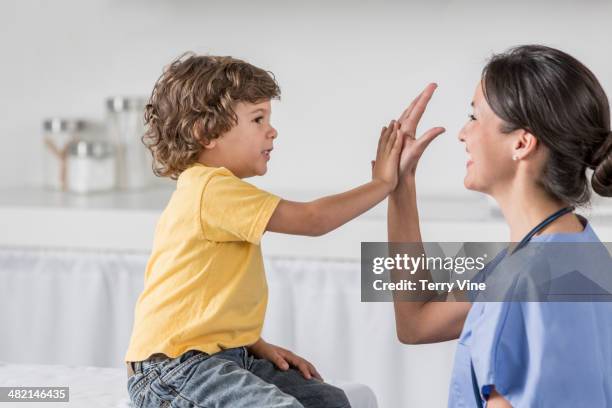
<point x="344" y="69"/>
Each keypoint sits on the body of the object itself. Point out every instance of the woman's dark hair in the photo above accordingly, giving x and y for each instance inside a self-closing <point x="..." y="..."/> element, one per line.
<point x="556" y="98"/>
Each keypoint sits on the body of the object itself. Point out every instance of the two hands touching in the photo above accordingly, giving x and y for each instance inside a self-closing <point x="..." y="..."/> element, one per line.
<point x="398" y="148"/>
<point x="396" y="160"/>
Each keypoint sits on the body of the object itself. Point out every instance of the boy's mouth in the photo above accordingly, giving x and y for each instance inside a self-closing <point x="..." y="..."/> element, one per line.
<point x="266" y="153"/>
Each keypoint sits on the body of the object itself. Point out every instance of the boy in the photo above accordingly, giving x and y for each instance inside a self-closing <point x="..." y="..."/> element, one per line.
<point x="195" y="340"/>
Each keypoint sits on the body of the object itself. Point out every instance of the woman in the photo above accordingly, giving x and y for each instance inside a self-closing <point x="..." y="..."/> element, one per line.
<point x="540" y="120"/>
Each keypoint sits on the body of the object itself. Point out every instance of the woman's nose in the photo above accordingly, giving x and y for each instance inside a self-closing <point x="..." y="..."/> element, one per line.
<point x="461" y="135"/>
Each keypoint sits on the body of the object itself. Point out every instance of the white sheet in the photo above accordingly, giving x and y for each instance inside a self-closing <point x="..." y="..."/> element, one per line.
<point x="93" y="387"/>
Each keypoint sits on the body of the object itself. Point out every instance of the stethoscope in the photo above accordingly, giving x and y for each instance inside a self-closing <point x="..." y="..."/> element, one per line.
<point x="551" y="218"/>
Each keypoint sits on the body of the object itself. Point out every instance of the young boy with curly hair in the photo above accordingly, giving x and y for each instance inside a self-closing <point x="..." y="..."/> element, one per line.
<point x="196" y="336"/>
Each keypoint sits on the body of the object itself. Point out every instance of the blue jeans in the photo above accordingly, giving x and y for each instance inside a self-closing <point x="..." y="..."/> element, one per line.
<point x="231" y="378"/>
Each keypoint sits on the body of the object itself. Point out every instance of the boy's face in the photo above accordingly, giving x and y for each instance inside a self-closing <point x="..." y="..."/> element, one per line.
<point x="245" y="149"/>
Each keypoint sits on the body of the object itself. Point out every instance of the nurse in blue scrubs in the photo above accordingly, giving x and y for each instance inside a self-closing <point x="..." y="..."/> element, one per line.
<point x="540" y="120"/>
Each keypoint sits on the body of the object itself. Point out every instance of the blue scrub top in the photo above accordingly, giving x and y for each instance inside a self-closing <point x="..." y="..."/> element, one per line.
<point x="538" y="354"/>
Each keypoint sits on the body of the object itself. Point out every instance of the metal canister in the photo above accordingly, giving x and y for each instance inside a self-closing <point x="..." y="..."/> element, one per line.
<point x="58" y="134"/>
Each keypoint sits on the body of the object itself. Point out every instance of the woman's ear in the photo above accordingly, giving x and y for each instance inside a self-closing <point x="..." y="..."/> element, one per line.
<point x="524" y="145"/>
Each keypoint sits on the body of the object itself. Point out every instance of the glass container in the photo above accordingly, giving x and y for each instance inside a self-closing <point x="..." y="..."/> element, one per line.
<point x="126" y="128"/>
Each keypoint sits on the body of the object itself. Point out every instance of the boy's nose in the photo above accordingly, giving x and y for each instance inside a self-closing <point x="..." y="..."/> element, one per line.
<point x="273" y="133"/>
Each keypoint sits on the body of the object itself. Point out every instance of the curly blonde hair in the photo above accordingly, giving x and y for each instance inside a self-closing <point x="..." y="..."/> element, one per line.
<point x="193" y="102"/>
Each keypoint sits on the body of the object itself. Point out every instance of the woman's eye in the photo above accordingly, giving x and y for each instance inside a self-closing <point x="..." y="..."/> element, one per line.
<point x="258" y="119"/>
<point x="472" y="117"/>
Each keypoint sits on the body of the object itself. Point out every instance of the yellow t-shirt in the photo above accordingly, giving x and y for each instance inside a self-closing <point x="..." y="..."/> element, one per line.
<point x="205" y="287"/>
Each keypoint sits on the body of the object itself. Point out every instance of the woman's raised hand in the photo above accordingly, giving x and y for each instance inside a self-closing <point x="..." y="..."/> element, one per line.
<point x="413" y="148"/>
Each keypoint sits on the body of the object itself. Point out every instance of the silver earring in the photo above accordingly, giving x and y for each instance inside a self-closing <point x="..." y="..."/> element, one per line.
<point x="515" y="157"/>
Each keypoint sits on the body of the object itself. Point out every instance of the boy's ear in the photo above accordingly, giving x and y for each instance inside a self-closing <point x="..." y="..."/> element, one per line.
<point x="198" y="133"/>
<point x="209" y="144"/>
<point x="206" y="143"/>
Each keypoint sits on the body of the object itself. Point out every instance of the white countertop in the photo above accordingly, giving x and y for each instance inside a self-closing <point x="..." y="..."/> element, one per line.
<point x="125" y="221"/>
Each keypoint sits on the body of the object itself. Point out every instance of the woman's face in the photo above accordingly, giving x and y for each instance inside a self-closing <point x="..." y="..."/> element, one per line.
<point x="489" y="166"/>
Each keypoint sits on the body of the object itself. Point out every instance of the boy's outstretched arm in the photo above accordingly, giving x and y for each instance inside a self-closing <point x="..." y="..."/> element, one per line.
<point x="321" y="216"/>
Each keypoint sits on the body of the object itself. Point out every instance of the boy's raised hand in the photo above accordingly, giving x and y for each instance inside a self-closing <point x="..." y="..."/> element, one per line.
<point x="413" y="148"/>
<point x="385" y="167"/>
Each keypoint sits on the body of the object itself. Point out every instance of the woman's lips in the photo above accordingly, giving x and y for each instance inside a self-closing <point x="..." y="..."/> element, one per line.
<point x="469" y="159"/>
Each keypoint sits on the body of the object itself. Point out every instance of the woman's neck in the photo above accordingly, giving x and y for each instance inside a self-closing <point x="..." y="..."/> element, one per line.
<point x="526" y="205"/>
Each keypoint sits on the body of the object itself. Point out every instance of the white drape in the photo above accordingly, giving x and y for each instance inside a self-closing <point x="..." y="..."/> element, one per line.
<point x="76" y="308"/>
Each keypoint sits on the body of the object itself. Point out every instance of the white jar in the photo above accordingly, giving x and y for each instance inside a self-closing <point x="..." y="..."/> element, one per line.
<point x="91" y="166"/>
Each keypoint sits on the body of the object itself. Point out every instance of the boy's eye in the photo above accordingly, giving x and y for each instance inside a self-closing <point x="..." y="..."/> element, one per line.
<point x="258" y="119"/>
<point x="472" y="117"/>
